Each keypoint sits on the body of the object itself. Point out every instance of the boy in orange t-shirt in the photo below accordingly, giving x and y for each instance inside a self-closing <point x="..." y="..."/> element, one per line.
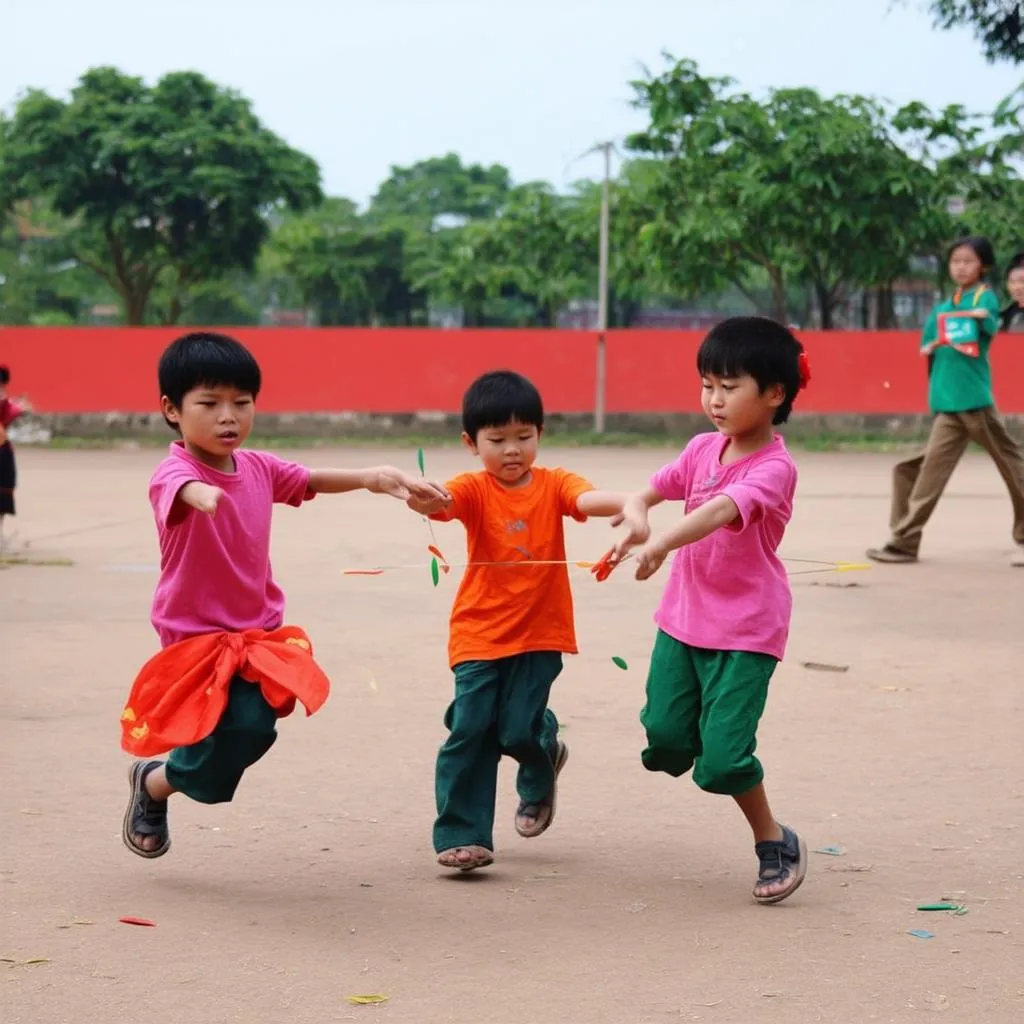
<point x="510" y="624"/>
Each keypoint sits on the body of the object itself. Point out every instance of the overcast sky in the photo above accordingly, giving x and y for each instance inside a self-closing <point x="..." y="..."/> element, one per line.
<point x="364" y="84"/>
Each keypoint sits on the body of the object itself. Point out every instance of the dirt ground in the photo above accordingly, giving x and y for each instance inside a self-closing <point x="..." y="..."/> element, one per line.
<point x="319" y="882"/>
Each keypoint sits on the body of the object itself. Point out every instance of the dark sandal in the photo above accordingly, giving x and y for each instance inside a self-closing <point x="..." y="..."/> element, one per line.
<point x="145" y="816"/>
<point x="784" y="861"/>
<point x="543" y="813"/>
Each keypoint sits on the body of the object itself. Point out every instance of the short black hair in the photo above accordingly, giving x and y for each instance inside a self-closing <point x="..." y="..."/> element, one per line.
<point x="206" y="359"/>
<point x="1016" y="262"/>
<point x="982" y="247"/>
<point x="757" y="347"/>
<point x="5" y="375"/>
<point x="498" y="398"/>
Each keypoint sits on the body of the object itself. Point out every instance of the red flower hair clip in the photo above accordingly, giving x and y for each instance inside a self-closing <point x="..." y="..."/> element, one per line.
<point x="804" y="365"/>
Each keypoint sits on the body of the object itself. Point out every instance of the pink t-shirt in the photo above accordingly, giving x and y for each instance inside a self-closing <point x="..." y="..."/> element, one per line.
<point x="730" y="591"/>
<point x="10" y="410"/>
<point x="215" y="571"/>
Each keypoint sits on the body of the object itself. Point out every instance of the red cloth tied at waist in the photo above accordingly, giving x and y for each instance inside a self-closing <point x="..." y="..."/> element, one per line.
<point x="180" y="694"/>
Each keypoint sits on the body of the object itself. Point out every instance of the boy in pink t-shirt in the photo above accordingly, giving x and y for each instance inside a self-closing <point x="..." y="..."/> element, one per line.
<point x="212" y="501"/>
<point x="724" y="618"/>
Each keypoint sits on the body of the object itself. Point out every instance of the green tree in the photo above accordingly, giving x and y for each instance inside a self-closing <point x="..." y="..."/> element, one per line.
<point x="524" y="264"/>
<point x="432" y="202"/>
<point x="459" y="266"/>
<point x="796" y="187"/>
<point x="538" y="252"/>
<point x="349" y="269"/>
<point x="441" y="187"/>
<point x="975" y="160"/>
<point x="632" y="277"/>
<point x="40" y="281"/>
<point x="998" y="24"/>
<point x="165" y="187"/>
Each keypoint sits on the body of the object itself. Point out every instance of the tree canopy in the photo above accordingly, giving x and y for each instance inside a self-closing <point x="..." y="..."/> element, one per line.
<point x="174" y="202"/>
<point x="997" y="24"/>
<point x="166" y="185"/>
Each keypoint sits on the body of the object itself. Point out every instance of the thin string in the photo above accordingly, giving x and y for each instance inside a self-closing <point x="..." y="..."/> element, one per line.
<point x="446" y="566"/>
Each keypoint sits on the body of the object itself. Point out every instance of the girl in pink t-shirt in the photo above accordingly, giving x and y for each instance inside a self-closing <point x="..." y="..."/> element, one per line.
<point x="724" y="618"/>
<point x="212" y="500"/>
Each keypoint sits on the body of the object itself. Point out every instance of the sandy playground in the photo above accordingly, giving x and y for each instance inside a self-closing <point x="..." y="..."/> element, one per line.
<point x="319" y="883"/>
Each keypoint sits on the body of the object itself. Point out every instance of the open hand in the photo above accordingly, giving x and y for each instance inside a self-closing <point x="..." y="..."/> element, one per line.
<point x="403" y="486"/>
<point x="638" y="530"/>
<point x="428" y="507"/>
<point x="649" y="560"/>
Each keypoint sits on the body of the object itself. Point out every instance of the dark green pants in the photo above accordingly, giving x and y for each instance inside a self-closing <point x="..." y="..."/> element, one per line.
<point x="209" y="771"/>
<point x="500" y="707"/>
<point x="702" y="712"/>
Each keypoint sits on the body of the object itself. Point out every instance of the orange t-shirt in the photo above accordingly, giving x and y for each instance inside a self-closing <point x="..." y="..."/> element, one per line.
<point x="502" y="610"/>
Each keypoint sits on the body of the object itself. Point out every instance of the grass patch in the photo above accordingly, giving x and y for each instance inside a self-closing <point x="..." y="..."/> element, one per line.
<point x="806" y="442"/>
<point x="7" y="561"/>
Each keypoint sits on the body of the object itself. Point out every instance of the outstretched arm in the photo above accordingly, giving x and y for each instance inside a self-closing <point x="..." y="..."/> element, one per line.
<point x="600" y="503"/>
<point x="378" y="480"/>
<point x="694" y="526"/>
<point x="634" y="517"/>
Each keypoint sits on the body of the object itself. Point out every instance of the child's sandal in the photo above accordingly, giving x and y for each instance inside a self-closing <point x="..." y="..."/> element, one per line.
<point x="145" y="816"/>
<point x="479" y="857"/>
<point x="543" y="813"/>
<point x="781" y="862"/>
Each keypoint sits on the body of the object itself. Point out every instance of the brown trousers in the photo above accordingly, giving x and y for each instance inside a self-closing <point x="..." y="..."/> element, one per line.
<point x="918" y="481"/>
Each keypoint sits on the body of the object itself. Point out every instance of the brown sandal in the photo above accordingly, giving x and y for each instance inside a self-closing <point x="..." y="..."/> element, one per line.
<point x="479" y="857"/>
<point x="543" y="813"/>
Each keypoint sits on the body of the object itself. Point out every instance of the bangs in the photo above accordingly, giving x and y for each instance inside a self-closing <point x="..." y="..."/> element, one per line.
<point x="722" y="355"/>
<point x="499" y="398"/>
<point x="207" y="360"/>
<point x="501" y="414"/>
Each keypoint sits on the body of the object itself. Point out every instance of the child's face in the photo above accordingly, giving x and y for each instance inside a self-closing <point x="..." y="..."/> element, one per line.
<point x="1015" y="285"/>
<point x="213" y="421"/>
<point x="964" y="266"/>
<point x="507" y="452"/>
<point x="736" y="405"/>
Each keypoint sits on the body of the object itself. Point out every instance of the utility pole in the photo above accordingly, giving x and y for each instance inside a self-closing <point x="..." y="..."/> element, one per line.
<point x="602" y="294"/>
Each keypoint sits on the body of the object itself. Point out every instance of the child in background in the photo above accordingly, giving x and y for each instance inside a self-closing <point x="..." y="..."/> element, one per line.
<point x="229" y="668"/>
<point x="1012" y="318"/>
<point x="724" y="618"/>
<point x="10" y="410"/>
<point x="957" y="338"/>
<point x="510" y="624"/>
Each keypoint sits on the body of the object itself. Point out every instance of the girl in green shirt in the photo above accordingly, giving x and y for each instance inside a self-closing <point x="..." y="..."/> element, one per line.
<point x="956" y="341"/>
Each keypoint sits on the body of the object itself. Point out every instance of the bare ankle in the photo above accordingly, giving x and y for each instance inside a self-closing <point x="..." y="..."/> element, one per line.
<point x="157" y="785"/>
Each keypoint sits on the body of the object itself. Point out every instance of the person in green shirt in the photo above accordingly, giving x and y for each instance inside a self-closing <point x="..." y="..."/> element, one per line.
<point x="956" y="340"/>
<point x="1012" y="320"/>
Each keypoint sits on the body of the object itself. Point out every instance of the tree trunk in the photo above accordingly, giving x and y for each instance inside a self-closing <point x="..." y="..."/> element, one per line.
<point x="174" y="310"/>
<point x="885" y="316"/>
<point x="826" y="306"/>
<point x="135" y="303"/>
<point x="624" y="312"/>
<point x="780" y="307"/>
